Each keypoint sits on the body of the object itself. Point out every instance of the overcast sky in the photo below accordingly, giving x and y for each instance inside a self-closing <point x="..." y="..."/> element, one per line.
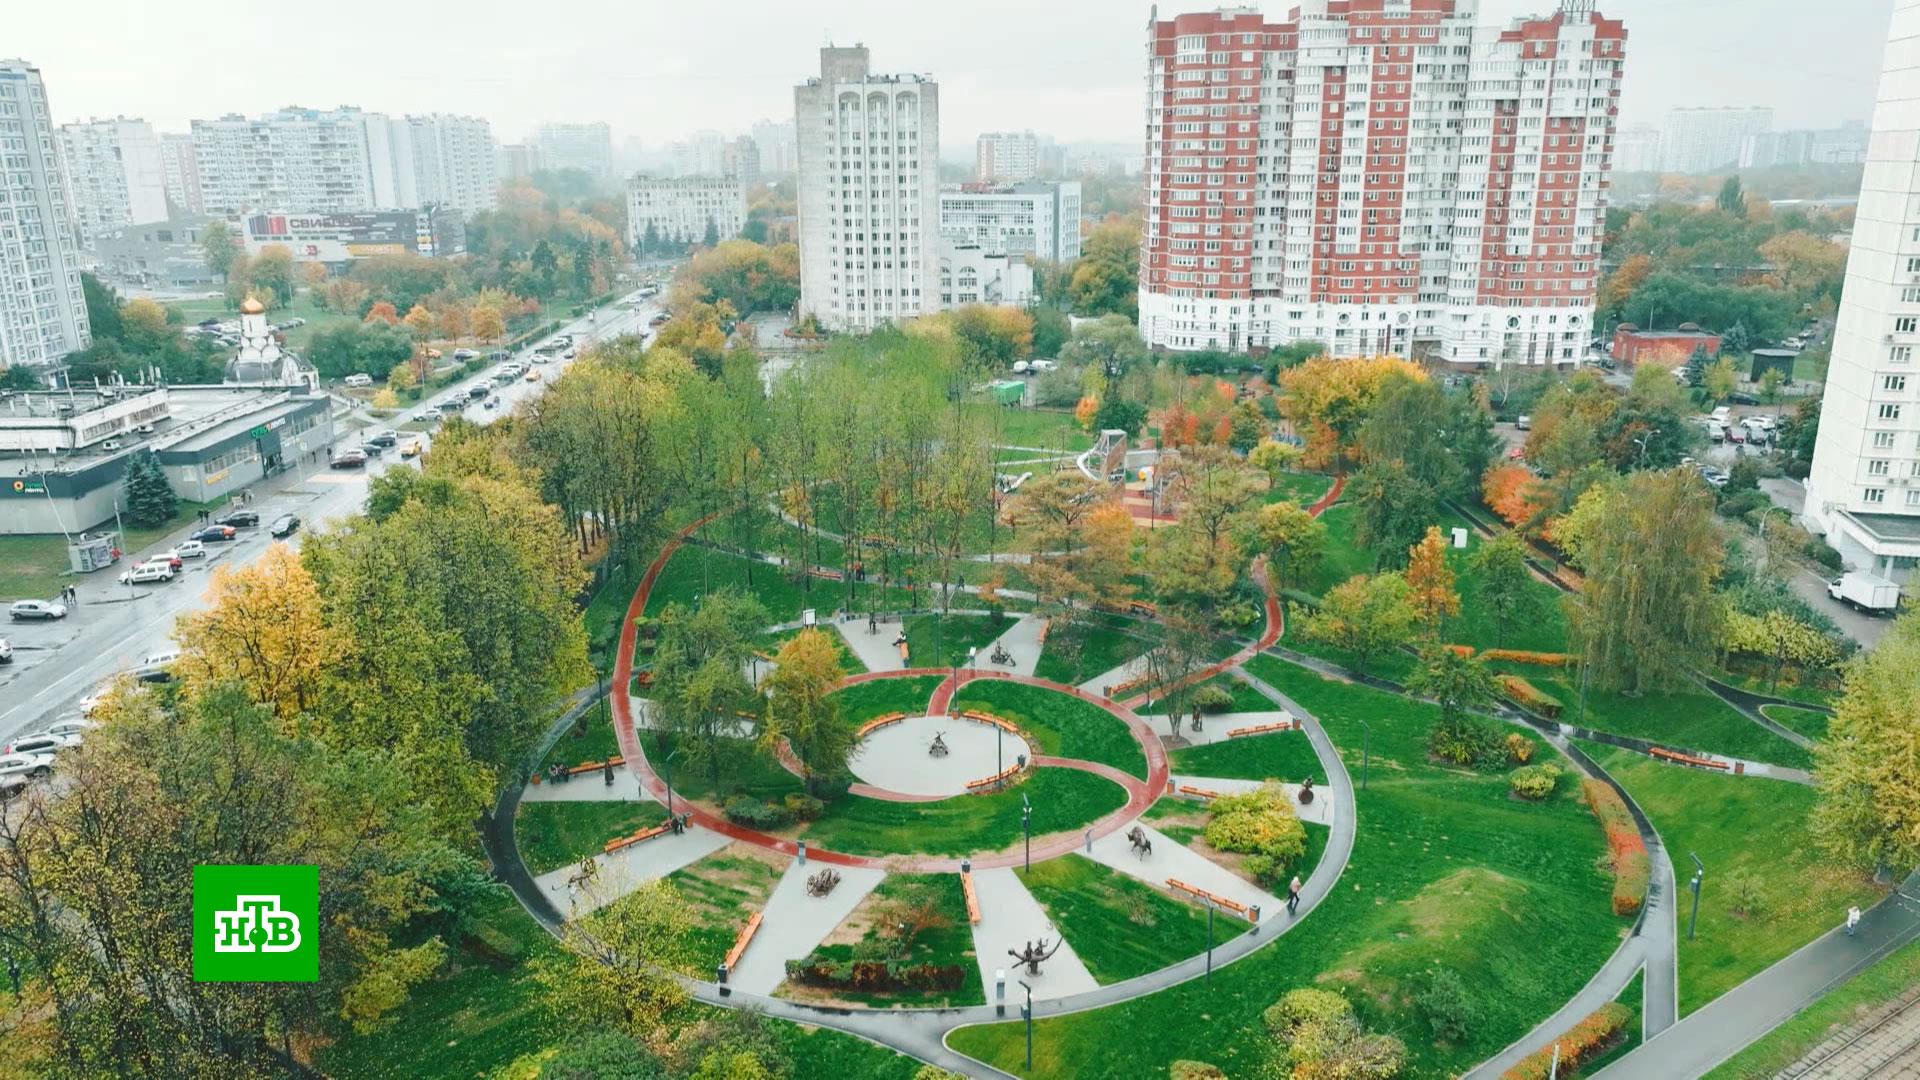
<point x="659" y="70"/>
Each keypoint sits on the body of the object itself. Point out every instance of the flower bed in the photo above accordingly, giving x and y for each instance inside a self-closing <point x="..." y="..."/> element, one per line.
<point x="1528" y="696"/>
<point x="1526" y="656"/>
<point x="1584" y="1042"/>
<point x="1628" y="853"/>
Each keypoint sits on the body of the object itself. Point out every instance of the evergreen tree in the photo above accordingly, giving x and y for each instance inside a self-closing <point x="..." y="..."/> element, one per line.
<point x="1732" y="199"/>
<point x="650" y="242"/>
<point x="713" y="233"/>
<point x="150" y="499"/>
<point x="1697" y="367"/>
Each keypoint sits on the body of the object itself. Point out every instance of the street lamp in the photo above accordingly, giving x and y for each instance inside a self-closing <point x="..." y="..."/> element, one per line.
<point x="1699" y="871"/>
<point x="1366" y="751"/>
<point x="1026" y="825"/>
<point x="1210" y="906"/>
<point x="1026" y="1012"/>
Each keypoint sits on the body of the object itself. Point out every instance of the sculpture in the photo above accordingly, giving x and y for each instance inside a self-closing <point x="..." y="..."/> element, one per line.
<point x="939" y="747"/>
<point x="822" y="883"/>
<point x="1306" y="791"/>
<point x="1142" y="846"/>
<point x="1033" y="952"/>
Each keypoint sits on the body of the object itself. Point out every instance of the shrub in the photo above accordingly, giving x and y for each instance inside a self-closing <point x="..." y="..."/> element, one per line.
<point x="1191" y="1070"/>
<point x="754" y="813"/>
<point x="1297" y="1007"/>
<point x="1528" y="656"/>
<point x="1519" y="748"/>
<point x="1449" y="1010"/>
<point x="1626" y="851"/>
<point x="1534" y="782"/>
<point x="1528" y="696"/>
<point x="1748" y="899"/>
<point x="1213" y="699"/>
<point x="1585" y="1041"/>
<point x="802" y="807"/>
<point x="1467" y="740"/>
<point x="1262" y="825"/>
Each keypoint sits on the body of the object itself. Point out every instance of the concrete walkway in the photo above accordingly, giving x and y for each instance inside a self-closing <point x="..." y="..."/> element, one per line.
<point x="1022" y="639"/>
<point x="1319" y="811"/>
<point x="627" y="869"/>
<point x="1132" y="669"/>
<point x="1172" y="859"/>
<point x="1009" y="918"/>
<point x="1214" y="728"/>
<point x="1736" y="1018"/>
<point x="877" y="650"/>
<point x="795" y="922"/>
<point x="588" y="787"/>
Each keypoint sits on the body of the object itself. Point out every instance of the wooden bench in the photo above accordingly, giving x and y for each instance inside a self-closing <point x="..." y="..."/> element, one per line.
<point x="826" y="573"/>
<point x="1262" y="729"/>
<point x="619" y="842"/>
<point x="1234" y="906"/>
<point x="596" y="766"/>
<point x="989" y="781"/>
<point x="1204" y="793"/>
<point x="989" y="718"/>
<point x="740" y="943"/>
<point x="1135" y="683"/>
<point x="973" y="898"/>
<point x="877" y="723"/>
<point x="1687" y="759"/>
<point x="1141" y="607"/>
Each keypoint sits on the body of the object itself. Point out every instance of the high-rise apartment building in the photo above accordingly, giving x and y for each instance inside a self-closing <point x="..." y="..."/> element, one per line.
<point x="1378" y="176"/>
<point x="869" y="194"/>
<point x="182" y="172"/>
<point x="1702" y="140"/>
<point x="1844" y="145"/>
<point x="518" y="161"/>
<point x="588" y="147"/>
<point x="1039" y="218"/>
<point x="1864" y="488"/>
<point x="777" y="143"/>
<point x="740" y="160"/>
<point x="684" y="209"/>
<point x="703" y="154"/>
<point x="292" y="159"/>
<point x="1006" y="157"/>
<point x="116" y="175"/>
<point x="442" y="160"/>
<point x="1637" y="149"/>
<point x="43" y="315"/>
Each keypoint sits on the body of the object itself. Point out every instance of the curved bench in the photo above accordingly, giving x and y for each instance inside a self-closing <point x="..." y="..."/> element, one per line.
<point x="877" y="723"/>
<point x="647" y="833"/>
<point x="988" y="781"/>
<point x="1262" y="729"/>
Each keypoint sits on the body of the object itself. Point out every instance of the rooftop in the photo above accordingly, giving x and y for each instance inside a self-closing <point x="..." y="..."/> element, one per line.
<point x="1890" y="528"/>
<point x="196" y="416"/>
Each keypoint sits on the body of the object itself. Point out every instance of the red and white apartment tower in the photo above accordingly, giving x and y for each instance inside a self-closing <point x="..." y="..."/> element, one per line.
<point x="1380" y="176"/>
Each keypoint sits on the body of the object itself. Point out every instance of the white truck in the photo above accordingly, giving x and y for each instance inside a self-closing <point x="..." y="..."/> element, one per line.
<point x="1865" y="592"/>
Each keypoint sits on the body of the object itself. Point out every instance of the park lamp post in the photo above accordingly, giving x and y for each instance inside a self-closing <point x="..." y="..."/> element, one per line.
<point x="1026" y="825"/>
<point x="1699" y="871"/>
<point x="1210" y="906"/>
<point x="1026" y="1013"/>
<point x="1366" y="751"/>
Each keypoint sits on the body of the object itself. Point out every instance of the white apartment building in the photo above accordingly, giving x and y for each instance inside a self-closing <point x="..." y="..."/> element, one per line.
<point x="702" y="155"/>
<point x="682" y="209"/>
<point x="1702" y="140"/>
<point x="116" y="175"/>
<point x="1864" y="490"/>
<point x="1637" y="149"/>
<point x="588" y="147"/>
<point x="1006" y="157"/>
<point x="441" y="160"/>
<point x="293" y="158"/>
<point x="869" y="193"/>
<point x="182" y="172"/>
<point x="1379" y="179"/>
<point x="1039" y="218"/>
<point x="777" y="143"/>
<point x="43" y="315"/>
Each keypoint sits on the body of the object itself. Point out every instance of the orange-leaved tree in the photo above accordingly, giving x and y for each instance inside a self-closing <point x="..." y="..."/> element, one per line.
<point x="1430" y="581"/>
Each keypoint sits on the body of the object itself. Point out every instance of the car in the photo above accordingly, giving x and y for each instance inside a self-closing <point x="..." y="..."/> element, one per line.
<point x="384" y="439"/>
<point x="142" y="573"/>
<point x="426" y="416"/>
<point x="26" y="610"/>
<point x="532" y="376"/>
<point x="40" y="742"/>
<point x="216" y="534"/>
<point x="358" y="378"/>
<point x="464" y="354"/>
<point x="1736" y="434"/>
<point x="239" y="519"/>
<point x="478" y="391"/>
<point x="296" y="321"/>
<point x="111" y="445"/>
<point x="562" y="340"/>
<point x="350" y="458"/>
<point x="490" y="403"/>
<point x="568" y="355"/>
<point x="171" y="557"/>
<point x="73" y="727"/>
<point x="372" y="450"/>
<point x="1523" y="423"/>
<point x="163" y="658"/>
<point x="285" y="525"/>
<point x="1022" y="367"/>
<point x="411" y="449"/>
<point x="542" y="358"/>
<point x="16" y="770"/>
<point x="6" y="651"/>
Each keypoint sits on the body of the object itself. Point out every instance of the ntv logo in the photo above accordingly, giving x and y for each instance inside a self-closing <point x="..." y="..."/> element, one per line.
<point x="256" y="924"/>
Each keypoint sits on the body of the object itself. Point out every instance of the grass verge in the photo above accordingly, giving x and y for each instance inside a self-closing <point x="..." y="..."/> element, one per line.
<point x="553" y="834"/>
<point x="1062" y="799"/>
<point x="1847" y="1004"/>
<point x="1059" y="725"/>
<point x="1118" y="926"/>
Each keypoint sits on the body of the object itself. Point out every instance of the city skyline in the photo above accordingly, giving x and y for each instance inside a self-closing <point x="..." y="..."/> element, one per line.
<point x="1089" y="93"/>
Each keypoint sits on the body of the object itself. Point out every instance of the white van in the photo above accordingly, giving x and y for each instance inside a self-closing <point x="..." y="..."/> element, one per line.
<point x="358" y="378"/>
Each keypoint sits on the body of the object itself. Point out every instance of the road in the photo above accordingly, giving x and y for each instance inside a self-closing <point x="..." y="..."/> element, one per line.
<point x="114" y="627"/>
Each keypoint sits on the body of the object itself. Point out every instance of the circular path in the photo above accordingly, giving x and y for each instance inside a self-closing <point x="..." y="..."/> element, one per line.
<point x="897" y="757"/>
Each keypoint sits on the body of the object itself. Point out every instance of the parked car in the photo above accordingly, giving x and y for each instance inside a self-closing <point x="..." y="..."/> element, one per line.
<point x="411" y="449"/>
<point x="143" y="573"/>
<point x="216" y="534"/>
<point x="170" y="557"/>
<point x="27" y="610"/>
<point x="350" y="458"/>
<point x="426" y="416"/>
<point x="1523" y="422"/>
<point x="111" y="445"/>
<point x="163" y="658"/>
<point x="464" y="354"/>
<point x="73" y="727"/>
<point x="6" y="651"/>
<point x="358" y="378"/>
<point x="384" y="438"/>
<point x="532" y="376"/>
<point x="490" y="403"/>
<point x="16" y="770"/>
<point x="239" y="519"/>
<point x="478" y="391"/>
<point x="285" y="525"/>
<point x="40" y="742"/>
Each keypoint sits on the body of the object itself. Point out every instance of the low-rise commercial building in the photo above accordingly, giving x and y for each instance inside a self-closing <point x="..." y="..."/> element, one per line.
<point x="1632" y="345"/>
<point x="160" y="255"/>
<point x="971" y="274"/>
<point x="335" y="238"/>
<point x="1038" y="218"/>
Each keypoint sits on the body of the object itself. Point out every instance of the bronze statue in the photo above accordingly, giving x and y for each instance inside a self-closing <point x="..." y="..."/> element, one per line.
<point x="1142" y="846"/>
<point x="822" y="883"/>
<point x="939" y="747"/>
<point x="1033" y="952"/>
<point x="1306" y="791"/>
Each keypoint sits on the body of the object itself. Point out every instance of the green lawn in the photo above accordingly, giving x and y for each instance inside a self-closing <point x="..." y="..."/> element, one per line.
<point x="1343" y="557"/>
<point x="298" y="338"/>
<point x="596" y="744"/>
<point x="862" y="702"/>
<point x="1283" y="755"/>
<point x="745" y="771"/>
<point x="1058" y="725"/>
<point x="1447" y="871"/>
<point x="724" y="889"/>
<point x="1847" y="1004"/>
<point x="1245" y="697"/>
<point x="1063" y="800"/>
<point x="1046" y="429"/>
<point x="1304" y="489"/>
<point x="1104" y="644"/>
<point x="554" y="834"/>
<point x="943" y="640"/>
<point x="1745" y="830"/>
<point x="693" y="572"/>
<point x="34" y="567"/>
<point x="1541" y="628"/>
<point x="1785" y="688"/>
<point x="1683" y="719"/>
<point x="1809" y="722"/>
<point x="1120" y="927"/>
<point x="1393" y="665"/>
<point x="948" y="944"/>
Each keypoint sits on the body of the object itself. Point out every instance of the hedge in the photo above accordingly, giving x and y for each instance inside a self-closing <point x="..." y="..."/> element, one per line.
<point x="1525" y="656"/>
<point x="1528" y="696"/>
<point x="875" y="976"/>
<point x="1585" y="1041"/>
<point x="1627" y="852"/>
<point x="1534" y="782"/>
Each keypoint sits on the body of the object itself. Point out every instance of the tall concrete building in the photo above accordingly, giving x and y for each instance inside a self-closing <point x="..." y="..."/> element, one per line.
<point x="1637" y="149"/>
<point x="291" y="159"/>
<point x="116" y="175"/>
<point x="441" y="160"/>
<point x="684" y="209"/>
<point x="182" y="172"/>
<point x="1702" y="140"/>
<point x="588" y="147"/>
<point x="1844" y="145"/>
<point x="1864" y="490"/>
<point x="1006" y="157"/>
<point x="777" y="143"/>
<point x="869" y="194"/>
<point x="1039" y="218"/>
<point x="1379" y="177"/>
<point x="517" y="161"/>
<point x="43" y="315"/>
<point x="704" y="154"/>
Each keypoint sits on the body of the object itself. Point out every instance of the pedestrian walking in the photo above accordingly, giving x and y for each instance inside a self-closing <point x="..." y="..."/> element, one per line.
<point x="1853" y="919"/>
<point x="1293" y="895"/>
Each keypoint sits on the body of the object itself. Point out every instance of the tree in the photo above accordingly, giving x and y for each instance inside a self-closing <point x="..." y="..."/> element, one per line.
<point x="220" y="247"/>
<point x="1393" y="509"/>
<point x="1115" y="414"/>
<point x="1867" y="769"/>
<point x="1731" y="199"/>
<point x="619" y="967"/>
<point x="1105" y="281"/>
<point x="314" y="276"/>
<point x="712" y="235"/>
<point x="1249" y="427"/>
<point x="1364" y="616"/>
<point x="1697" y="367"/>
<point x="1430" y="582"/>
<point x="1650" y="552"/>
<point x="1110" y="343"/>
<point x="1506" y="590"/>
<point x="487" y="323"/>
<point x="1051" y="330"/>
<point x="1274" y="458"/>
<point x="1292" y="539"/>
<point x="603" y="1055"/>
<point x="1780" y="639"/>
<point x="103" y="308"/>
<point x="1455" y="682"/>
<point x="262" y="629"/>
<point x="371" y="348"/>
<point x="545" y="266"/>
<point x="1720" y="379"/>
<point x="802" y="709"/>
<point x="700" y="687"/>
<point x="151" y="502"/>
<point x="383" y="311"/>
<point x="420" y="321"/>
<point x="1328" y="400"/>
<point x="271" y="275"/>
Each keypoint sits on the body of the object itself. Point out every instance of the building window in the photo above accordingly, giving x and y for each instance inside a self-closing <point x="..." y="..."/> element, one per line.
<point x="1893" y="382"/>
<point x="1889" y="412"/>
<point x="1913" y="498"/>
<point x="1873" y="496"/>
<point x="1883" y="440"/>
<point x="1900" y="354"/>
<point x="1877" y="467"/>
<point x="1906" y="324"/>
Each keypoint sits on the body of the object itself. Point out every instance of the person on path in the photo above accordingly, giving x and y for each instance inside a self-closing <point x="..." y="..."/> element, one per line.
<point x="1853" y="919"/>
<point x="609" y="772"/>
<point x="1293" y="895"/>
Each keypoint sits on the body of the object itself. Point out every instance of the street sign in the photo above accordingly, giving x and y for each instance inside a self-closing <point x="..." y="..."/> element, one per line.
<point x="29" y="487"/>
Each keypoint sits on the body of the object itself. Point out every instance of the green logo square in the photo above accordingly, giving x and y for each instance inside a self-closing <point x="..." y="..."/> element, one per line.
<point x="256" y="924"/>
